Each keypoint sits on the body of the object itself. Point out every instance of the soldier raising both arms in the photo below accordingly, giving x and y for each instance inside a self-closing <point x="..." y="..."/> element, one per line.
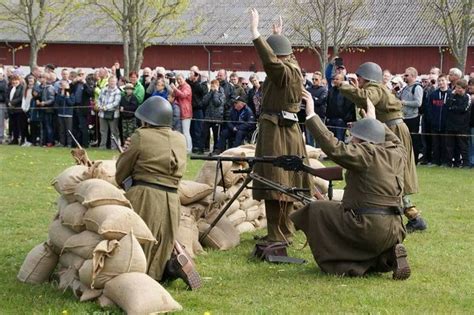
<point x="279" y="133"/>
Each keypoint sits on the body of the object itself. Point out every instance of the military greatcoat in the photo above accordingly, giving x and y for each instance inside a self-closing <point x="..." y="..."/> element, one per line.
<point x="387" y="108"/>
<point x="157" y="155"/>
<point x="282" y="91"/>
<point x="343" y="242"/>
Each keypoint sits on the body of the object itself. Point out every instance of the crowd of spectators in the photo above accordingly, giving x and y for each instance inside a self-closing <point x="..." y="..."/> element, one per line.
<point x="223" y="112"/>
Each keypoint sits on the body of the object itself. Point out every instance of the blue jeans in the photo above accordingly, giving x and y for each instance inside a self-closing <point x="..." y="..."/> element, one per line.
<point x="47" y="127"/>
<point x="340" y="125"/>
<point x="196" y="129"/>
<point x="471" y="148"/>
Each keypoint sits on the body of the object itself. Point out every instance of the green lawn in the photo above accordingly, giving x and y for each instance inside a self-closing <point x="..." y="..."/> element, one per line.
<point x="442" y="258"/>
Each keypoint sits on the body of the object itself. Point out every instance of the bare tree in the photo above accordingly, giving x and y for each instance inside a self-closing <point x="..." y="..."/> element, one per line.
<point x="456" y="20"/>
<point x="328" y="23"/>
<point x="36" y="19"/>
<point x="141" y="22"/>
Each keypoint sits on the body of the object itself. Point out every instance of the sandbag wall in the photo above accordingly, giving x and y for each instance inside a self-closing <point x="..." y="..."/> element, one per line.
<point x="93" y="246"/>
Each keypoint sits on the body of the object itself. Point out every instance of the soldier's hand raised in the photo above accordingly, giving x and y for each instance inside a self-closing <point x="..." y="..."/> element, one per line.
<point x="278" y="28"/>
<point x="254" y="19"/>
<point x="308" y="98"/>
<point x="370" y="113"/>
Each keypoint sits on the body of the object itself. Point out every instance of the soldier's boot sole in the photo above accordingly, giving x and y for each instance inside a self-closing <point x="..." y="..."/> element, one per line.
<point x="402" y="270"/>
<point x="188" y="272"/>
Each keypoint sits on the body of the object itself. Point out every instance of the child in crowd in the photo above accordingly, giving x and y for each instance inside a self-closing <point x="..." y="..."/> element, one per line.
<point x="128" y="105"/>
<point x="457" y="126"/>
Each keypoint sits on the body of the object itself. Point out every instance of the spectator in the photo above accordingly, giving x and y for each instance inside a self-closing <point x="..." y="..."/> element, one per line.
<point x="46" y="103"/>
<point x="336" y="66"/>
<point x="255" y="95"/>
<point x="160" y="89"/>
<point x="79" y="117"/>
<point x="339" y="110"/>
<point x="228" y="89"/>
<point x="411" y="97"/>
<point x="26" y="106"/>
<point x="115" y="70"/>
<point x="457" y="126"/>
<point x="183" y="98"/>
<point x="471" y="123"/>
<point x="138" y="89"/>
<point x="108" y="106"/>
<point x="306" y="83"/>
<point x="213" y="103"/>
<point x="454" y="76"/>
<point x="436" y="112"/>
<point x="435" y="72"/>
<point x="238" y="89"/>
<point x="3" y="108"/>
<point x="146" y="78"/>
<point x="17" y="118"/>
<point x="319" y="94"/>
<point x="199" y="89"/>
<point x="397" y="85"/>
<point x="244" y="83"/>
<point x="426" y="138"/>
<point x="36" y="115"/>
<point x="64" y="76"/>
<point x="64" y="105"/>
<point x="387" y="79"/>
<point x="128" y="105"/>
<point x="240" y="126"/>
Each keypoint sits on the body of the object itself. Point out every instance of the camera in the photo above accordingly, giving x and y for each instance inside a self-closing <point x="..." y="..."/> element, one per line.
<point x="338" y="62"/>
<point x="172" y="80"/>
<point x="396" y="88"/>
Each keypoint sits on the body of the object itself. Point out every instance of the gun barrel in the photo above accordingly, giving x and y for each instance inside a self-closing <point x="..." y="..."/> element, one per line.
<point x="265" y="159"/>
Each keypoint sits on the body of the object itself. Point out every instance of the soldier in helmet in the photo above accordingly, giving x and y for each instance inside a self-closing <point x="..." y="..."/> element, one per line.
<point x="155" y="158"/>
<point x="388" y="108"/>
<point x="279" y="132"/>
<point x="364" y="232"/>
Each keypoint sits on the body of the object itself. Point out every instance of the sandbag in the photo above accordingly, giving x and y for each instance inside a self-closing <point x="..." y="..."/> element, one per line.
<point x="320" y="183"/>
<point x="105" y="301"/>
<point x="59" y="234"/>
<point x="72" y="216"/>
<point x="313" y="153"/>
<point x="231" y="178"/>
<point x="112" y="258"/>
<point x="104" y="169"/>
<point x="67" y="276"/>
<point x="245" y="227"/>
<point x="71" y="260"/>
<point x="223" y="236"/>
<point x="62" y="203"/>
<point x="137" y="294"/>
<point x="196" y="209"/>
<point x="337" y="194"/>
<point x="65" y="183"/>
<point x="38" y="265"/>
<point x="252" y="213"/>
<point x="237" y="217"/>
<point x="263" y="214"/>
<point x="97" y="192"/>
<point x="113" y="222"/>
<point x="249" y="203"/>
<point x="82" y="244"/>
<point x="239" y="152"/>
<point x="232" y="208"/>
<point x="190" y="191"/>
<point x="207" y="174"/>
<point x="188" y="235"/>
<point x="262" y="223"/>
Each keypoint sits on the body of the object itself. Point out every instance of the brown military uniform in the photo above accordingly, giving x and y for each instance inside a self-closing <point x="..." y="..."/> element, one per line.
<point x="341" y="241"/>
<point x="387" y="109"/>
<point x="282" y="90"/>
<point x="157" y="155"/>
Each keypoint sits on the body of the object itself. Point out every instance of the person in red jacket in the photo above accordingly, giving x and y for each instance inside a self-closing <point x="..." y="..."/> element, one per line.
<point x="183" y="98"/>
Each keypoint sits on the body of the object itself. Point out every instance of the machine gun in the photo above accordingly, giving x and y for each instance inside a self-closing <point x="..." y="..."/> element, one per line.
<point x="287" y="162"/>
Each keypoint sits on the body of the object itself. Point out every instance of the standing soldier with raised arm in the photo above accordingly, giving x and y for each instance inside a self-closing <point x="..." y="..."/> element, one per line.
<point x="388" y="110"/>
<point x="279" y="133"/>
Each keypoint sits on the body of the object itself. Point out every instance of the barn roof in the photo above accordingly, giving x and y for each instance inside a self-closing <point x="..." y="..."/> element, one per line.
<point x="226" y="22"/>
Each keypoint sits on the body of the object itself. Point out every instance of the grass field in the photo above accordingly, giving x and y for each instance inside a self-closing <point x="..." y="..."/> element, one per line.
<point x="441" y="259"/>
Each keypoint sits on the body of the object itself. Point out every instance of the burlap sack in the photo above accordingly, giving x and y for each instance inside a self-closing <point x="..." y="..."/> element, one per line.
<point x="190" y="191"/>
<point x="59" y="234"/>
<point x="97" y="192"/>
<point x="38" y="265"/>
<point x="65" y="183"/>
<point x="337" y="194"/>
<point x="104" y="169"/>
<point x="104" y="301"/>
<point x="232" y="190"/>
<point x="62" y="203"/>
<point x="67" y="276"/>
<point x="90" y="294"/>
<point x="245" y="227"/>
<point x="223" y="236"/>
<point x="113" y="222"/>
<point x="262" y="223"/>
<point x="71" y="260"/>
<point x="237" y="217"/>
<point x="248" y="146"/>
<point x="82" y="244"/>
<point x="207" y="174"/>
<point x="252" y="213"/>
<point x="313" y="153"/>
<point x="320" y="183"/>
<point x="72" y="216"/>
<point x="249" y="203"/>
<point x="138" y="294"/>
<point x="232" y="208"/>
<point x="231" y="178"/>
<point x="195" y="209"/>
<point x="263" y="214"/>
<point x="239" y="152"/>
<point x="112" y="258"/>
<point x="188" y="235"/>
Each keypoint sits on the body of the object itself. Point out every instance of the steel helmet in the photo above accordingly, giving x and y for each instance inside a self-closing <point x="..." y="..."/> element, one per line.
<point x="156" y="111"/>
<point x="280" y="44"/>
<point x="369" y="129"/>
<point x="370" y="71"/>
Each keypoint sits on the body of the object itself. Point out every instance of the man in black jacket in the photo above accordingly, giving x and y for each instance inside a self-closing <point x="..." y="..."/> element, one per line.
<point x="3" y="109"/>
<point x="199" y="89"/>
<point x="340" y="110"/>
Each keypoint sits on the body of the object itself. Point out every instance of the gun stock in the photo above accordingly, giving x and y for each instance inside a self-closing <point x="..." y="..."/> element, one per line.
<point x="327" y="173"/>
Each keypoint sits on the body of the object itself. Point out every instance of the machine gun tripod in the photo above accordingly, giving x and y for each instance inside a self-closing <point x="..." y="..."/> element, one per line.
<point x="287" y="162"/>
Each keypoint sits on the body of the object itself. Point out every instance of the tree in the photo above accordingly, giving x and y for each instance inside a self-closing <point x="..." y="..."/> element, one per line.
<point x="141" y="22"/>
<point x="36" y="19"/>
<point x="327" y="23"/>
<point x="456" y="20"/>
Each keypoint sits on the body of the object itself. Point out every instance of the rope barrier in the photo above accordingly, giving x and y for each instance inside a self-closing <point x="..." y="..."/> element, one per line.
<point x="222" y="121"/>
